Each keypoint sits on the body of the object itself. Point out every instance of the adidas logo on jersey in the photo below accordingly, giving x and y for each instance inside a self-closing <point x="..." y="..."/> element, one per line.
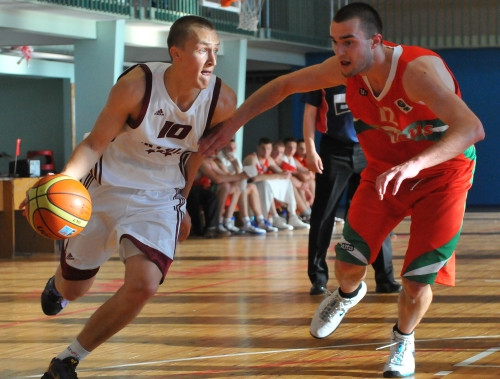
<point x="70" y="257"/>
<point x="159" y="112"/>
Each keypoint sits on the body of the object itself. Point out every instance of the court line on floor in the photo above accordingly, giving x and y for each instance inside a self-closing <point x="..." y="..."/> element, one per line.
<point x="468" y="362"/>
<point x="477" y="357"/>
<point x="283" y="351"/>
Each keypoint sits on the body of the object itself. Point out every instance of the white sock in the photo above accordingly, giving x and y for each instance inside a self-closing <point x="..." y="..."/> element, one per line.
<point x="260" y="218"/>
<point x="74" y="350"/>
<point x="246" y="220"/>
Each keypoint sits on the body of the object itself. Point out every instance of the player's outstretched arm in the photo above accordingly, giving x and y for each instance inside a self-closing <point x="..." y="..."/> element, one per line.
<point x="326" y="74"/>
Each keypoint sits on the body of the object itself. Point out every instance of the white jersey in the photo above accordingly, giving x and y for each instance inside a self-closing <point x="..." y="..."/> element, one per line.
<point x="227" y="163"/>
<point x="290" y="160"/>
<point x="152" y="153"/>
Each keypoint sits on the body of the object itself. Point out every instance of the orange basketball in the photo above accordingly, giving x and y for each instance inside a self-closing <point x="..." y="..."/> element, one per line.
<point x="59" y="207"/>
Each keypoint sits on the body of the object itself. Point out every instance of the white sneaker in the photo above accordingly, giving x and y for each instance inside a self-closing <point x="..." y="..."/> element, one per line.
<point x="280" y="223"/>
<point x="249" y="228"/>
<point x="222" y="231"/>
<point x="401" y="360"/>
<point x="229" y="225"/>
<point x="266" y="225"/>
<point x="339" y="220"/>
<point x="297" y="223"/>
<point x="331" y="311"/>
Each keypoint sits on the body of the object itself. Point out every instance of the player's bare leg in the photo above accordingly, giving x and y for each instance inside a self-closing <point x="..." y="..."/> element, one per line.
<point x="59" y="291"/>
<point x="414" y="300"/>
<point x="71" y="289"/>
<point x="349" y="276"/>
<point x="142" y="278"/>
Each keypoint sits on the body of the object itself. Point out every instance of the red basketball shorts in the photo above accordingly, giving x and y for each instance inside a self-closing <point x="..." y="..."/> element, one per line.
<point x="436" y="206"/>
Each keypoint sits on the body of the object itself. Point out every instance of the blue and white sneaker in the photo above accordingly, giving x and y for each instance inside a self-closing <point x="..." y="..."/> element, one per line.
<point x="401" y="362"/>
<point x="266" y="225"/>
<point x="249" y="228"/>
<point x="331" y="311"/>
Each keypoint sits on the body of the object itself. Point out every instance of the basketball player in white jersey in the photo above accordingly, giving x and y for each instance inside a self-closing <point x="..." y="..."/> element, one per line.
<point x="138" y="164"/>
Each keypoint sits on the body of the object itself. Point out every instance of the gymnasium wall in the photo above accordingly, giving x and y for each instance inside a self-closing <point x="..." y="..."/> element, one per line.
<point x="35" y="110"/>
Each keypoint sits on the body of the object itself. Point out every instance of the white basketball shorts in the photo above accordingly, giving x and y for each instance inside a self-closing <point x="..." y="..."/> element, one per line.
<point x="149" y="218"/>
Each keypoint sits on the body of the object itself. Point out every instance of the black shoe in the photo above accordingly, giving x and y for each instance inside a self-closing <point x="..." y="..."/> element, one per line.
<point x="62" y="369"/>
<point x="390" y="287"/>
<point x="211" y="232"/>
<point x="318" y="289"/>
<point x="52" y="301"/>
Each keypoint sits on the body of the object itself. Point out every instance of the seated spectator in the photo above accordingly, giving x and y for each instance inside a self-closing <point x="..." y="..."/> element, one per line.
<point x="249" y="193"/>
<point x="274" y="184"/>
<point x="225" y="185"/>
<point x="202" y="201"/>
<point x="300" y="153"/>
<point x="300" y="188"/>
<point x="306" y="176"/>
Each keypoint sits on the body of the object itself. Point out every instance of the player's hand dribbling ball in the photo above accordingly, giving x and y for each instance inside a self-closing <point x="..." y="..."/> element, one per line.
<point x="58" y="207"/>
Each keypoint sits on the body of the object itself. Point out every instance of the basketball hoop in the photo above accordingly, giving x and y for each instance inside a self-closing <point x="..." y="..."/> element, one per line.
<point x="250" y="11"/>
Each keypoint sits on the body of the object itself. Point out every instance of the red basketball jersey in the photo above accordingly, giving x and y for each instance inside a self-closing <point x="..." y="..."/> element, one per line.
<point x="391" y="128"/>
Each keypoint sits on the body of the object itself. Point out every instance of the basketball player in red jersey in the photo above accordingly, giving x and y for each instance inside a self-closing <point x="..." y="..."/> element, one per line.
<point x="139" y="162"/>
<point x="418" y="138"/>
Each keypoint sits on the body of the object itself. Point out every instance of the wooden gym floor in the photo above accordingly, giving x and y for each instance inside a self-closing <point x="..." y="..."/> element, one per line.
<point x="239" y="308"/>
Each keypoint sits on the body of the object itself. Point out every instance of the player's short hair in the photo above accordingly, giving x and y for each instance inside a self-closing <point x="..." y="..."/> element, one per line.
<point x="369" y="17"/>
<point x="180" y="29"/>
<point x="264" y="141"/>
<point x="278" y="143"/>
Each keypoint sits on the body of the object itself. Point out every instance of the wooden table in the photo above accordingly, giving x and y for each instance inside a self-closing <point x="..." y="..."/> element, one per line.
<point x="16" y="235"/>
